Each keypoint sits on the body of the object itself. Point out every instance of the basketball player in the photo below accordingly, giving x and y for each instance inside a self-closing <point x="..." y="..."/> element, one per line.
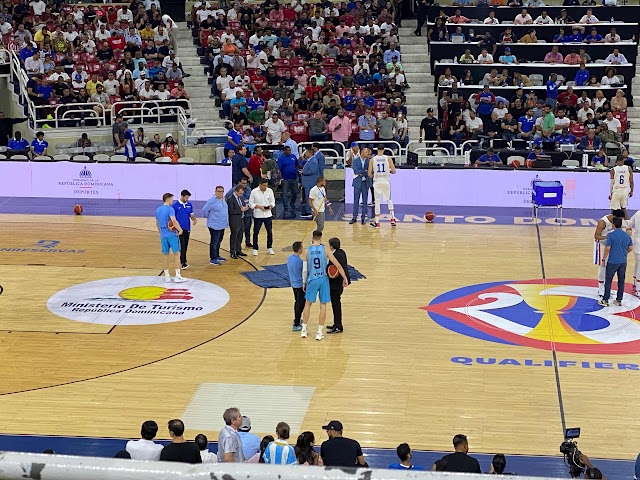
<point x="380" y="167"/>
<point x="621" y="186"/>
<point x="169" y="238"/>
<point x="633" y="229"/>
<point x="604" y="227"/>
<point x="315" y="281"/>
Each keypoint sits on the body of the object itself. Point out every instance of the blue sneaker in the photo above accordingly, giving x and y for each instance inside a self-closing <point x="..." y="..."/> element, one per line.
<point x="214" y="262"/>
<point x="221" y="259"/>
<point x="296" y="328"/>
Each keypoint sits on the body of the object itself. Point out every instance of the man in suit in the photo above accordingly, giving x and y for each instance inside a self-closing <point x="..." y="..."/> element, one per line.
<point x="237" y="211"/>
<point x="335" y="286"/>
<point x="361" y="184"/>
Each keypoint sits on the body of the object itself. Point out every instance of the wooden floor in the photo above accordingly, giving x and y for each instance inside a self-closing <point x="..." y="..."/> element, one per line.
<point x="389" y="378"/>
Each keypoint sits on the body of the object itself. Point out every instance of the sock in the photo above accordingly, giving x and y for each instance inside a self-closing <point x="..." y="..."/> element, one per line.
<point x="177" y="272"/>
<point x="377" y="219"/>
<point x="393" y="215"/>
<point x="304" y="327"/>
<point x="320" y="328"/>
<point x="166" y="272"/>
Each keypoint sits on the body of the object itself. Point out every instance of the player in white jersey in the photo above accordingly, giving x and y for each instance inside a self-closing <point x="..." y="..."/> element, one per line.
<point x="633" y="229"/>
<point x="604" y="227"/>
<point x="380" y="167"/>
<point x="621" y="186"/>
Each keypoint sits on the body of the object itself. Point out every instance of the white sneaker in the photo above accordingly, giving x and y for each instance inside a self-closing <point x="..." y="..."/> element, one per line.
<point x="255" y="253"/>
<point x="167" y="278"/>
<point x="270" y="251"/>
<point x="303" y="333"/>
<point x="319" y="336"/>
<point x="179" y="279"/>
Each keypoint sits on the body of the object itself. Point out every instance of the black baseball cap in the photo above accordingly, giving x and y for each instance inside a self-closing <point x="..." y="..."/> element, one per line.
<point x="333" y="425"/>
<point x="429" y="110"/>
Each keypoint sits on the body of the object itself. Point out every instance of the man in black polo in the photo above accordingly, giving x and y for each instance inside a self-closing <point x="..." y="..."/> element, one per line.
<point x="460" y="461"/>
<point x="339" y="451"/>
<point x="429" y="127"/>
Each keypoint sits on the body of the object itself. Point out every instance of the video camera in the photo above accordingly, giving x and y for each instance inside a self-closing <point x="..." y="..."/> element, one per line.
<point x="569" y="448"/>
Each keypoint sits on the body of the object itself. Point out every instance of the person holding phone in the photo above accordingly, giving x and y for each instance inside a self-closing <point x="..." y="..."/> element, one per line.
<point x="262" y="201"/>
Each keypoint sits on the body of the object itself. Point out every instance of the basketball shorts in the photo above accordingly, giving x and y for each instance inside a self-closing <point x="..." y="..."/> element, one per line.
<point x="382" y="191"/>
<point x="170" y="243"/>
<point x="598" y="252"/>
<point x="619" y="199"/>
<point x="319" y="286"/>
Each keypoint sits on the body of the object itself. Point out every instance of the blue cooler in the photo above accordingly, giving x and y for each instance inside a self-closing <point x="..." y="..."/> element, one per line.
<point x="545" y="195"/>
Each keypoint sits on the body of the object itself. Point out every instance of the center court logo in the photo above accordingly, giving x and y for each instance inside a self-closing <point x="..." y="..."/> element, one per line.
<point x="137" y="301"/>
<point x="561" y="314"/>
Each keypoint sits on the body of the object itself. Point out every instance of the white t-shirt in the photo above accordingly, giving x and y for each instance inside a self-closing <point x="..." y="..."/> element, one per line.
<point x="521" y="20"/>
<point x="582" y="114"/>
<point x="223" y="82"/>
<point x="491" y="21"/>
<point x="613" y="124"/>
<point x="147" y="94"/>
<point x="501" y="112"/>
<point x="317" y="196"/>
<point x="562" y="122"/>
<point x="38" y="7"/>
<point x="230" y="93"/>
<point x="474" y="123"/>
<point x="543" y="20"/>
<point x="275" y="130"/>
<point x="588" y="19"/>
<point x="111" y="86"/>
<point x="143" y="449"/>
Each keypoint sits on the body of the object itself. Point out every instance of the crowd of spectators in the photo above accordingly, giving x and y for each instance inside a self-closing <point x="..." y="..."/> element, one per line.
<point x="320" y="72"/>
<point x="77" y="54"/>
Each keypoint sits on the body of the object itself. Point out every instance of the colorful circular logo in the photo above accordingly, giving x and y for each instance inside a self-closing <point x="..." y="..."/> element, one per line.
<point x="555" y="314"/>
<point x="137" y="301"/>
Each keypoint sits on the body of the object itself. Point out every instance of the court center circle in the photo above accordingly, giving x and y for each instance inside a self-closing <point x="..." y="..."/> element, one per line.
<point x="137" y="301"/>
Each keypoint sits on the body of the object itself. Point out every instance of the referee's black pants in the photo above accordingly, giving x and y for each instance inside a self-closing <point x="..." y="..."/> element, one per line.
<point x="298" y="306"/>
<point x="336" y="306"/>
<point x="184" y="244"/>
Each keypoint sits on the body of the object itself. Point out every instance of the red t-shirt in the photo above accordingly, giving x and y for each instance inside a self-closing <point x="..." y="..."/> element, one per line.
<point x="311" y="90"/>
<point x="116" y="42"/>
<point x="258" y="82"/>
<point x="255" y="162"/>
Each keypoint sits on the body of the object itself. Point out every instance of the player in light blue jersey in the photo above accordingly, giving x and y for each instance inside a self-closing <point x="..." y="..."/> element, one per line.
<point x="315" y="281"/>
<point x="168" y="238"/>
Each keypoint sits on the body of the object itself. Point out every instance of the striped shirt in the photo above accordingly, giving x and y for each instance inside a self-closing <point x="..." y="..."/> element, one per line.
<point x="279" y="453"/>
<point x="130" y="144"/>
<point x="229" y="442"/>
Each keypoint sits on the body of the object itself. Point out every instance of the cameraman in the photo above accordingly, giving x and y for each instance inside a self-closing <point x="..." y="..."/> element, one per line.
<point x="591" y="472"/>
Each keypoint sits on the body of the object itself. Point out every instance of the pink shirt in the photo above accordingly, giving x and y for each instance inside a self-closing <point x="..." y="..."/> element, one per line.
<point x="553" y="57"/>
<point x="340" y="134"/>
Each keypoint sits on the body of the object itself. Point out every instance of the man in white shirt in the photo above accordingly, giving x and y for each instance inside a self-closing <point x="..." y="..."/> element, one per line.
<point x="275" y="128"/>
<point x="145" y="448"/>
<point x="485" y="57"/>
<point x="474" y="125"/>
<point x="584" y="111"/>
<point x="318" y="202"/>
<point x="5" y="27"/>
<point x="523" y="18"/>
<point x="59" y="72"/>
<point x="263" y="202"/>
<point x="102" y="34"/>
<point x="612" y="123"/>
<point x="491" y="19"/>
<point x="34" y="64"/>
<point x="242" y="80"/>
<point x="543" y="19"/>
<point x="612" y="37"/>
<point x="138" y="83"/>
<point x="534" y="3"/>
<point x="561" y="122"/>
<point x="111" y="85"/>
<point x="38" y="7"/>
<point x="125" y="14"/>
<point x="226" y="96"/>
<point x="589" y="17"/>
<point x="147" y="93"/>
<point x="616" y="58"/>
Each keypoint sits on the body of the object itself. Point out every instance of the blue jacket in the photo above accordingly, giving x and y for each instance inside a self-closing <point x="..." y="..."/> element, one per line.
<point x="310" y="173"/>
<point x="217" y="213"/>
<point x="321" y="162"/>
<point x="287" y="166"/>
<point x="361" y="168"/>
<point x="584" y="141"/>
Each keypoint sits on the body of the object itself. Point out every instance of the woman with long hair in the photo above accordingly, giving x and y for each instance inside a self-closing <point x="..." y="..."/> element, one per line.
<point x="169" y="148"/>
<point x="619" y="103"/>
<point x="305" y="453"/>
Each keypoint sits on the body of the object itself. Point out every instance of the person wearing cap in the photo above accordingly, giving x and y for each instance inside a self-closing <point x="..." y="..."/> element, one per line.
<point x="535" y="153"/>
<point x="429" y="127"/>
<point x="250" y="441"/>
<point x="339" y="451"/>
<point x="169" y="148"/>
<point x="490" y="158"/>
<point x="508" y="57"/>
<point x="184" y="215"/>
<point x="287" y="164"/>
<point x="460" y="461"/>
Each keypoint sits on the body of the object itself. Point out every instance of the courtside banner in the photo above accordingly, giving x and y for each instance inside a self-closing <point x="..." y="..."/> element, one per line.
<point x="490" y="188"/>
<point x="113" y="181"/>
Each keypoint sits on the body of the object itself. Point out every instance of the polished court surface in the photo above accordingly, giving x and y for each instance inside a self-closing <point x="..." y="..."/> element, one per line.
<point x="426" y="352"/>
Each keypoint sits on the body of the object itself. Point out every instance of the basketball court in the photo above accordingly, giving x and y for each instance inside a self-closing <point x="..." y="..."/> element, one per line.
<point x="454" y="329"/>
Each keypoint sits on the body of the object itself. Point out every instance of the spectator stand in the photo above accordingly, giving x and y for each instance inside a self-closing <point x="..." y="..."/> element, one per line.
<point x="431" y="152"/>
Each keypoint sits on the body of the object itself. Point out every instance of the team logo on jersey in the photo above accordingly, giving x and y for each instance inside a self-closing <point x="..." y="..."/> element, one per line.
<point x="557" y="314"/>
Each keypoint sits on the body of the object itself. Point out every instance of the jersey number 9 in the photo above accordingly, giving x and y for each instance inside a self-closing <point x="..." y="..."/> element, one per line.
<point x="316" y="263"/>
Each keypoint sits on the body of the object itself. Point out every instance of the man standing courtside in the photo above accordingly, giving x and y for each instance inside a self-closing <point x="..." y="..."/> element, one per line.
<point x="236" y="221"/>
<point x="618" y="246"/>
<point x="263" y="202"/>
<point x="169" y="238"/>
<point x="295" y="266"/>
<point x="335" y="286"/>
<point x="184" y="215"/>
<point x="145" y="448"/>
<point x="179" y="450"/>
<point x="229" y="443"/>
<point x="361" y="184"/>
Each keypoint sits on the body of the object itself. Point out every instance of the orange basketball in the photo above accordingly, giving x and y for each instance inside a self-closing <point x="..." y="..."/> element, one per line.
<point x="529" y="163"/>
<point x="516" y="164"/>
<point x="429" y="216"/>
<point x="77" y="209"/>
<point x="171" y="226"/>
<point x="332" y="271"/>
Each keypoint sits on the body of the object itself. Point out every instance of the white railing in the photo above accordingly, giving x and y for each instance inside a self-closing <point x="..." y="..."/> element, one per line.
<point x="326" y="147"/>
<point x="17" y="466"/>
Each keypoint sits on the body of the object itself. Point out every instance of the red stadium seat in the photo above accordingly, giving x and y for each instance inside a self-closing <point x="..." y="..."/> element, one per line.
<point x="282" y="63"/>
<point x="360" y="92"/>
<point x="342" y="92"/>
<point x="577" y="129"/>
<point x="94" y="68"/>
<point x="380" y="104"/>
<point x="355" y="132"/>
<point x="295" y="44"/>
<point x="622" y="116"/>
<point x="300" y="116"/>
<point x="281" y="71"/>
<point x="234" y="24"/>
<point x="204" y="35"/>
<point x="297" y="62"/>
<point x="329" y="62"/>
<point x="298" y="132"/>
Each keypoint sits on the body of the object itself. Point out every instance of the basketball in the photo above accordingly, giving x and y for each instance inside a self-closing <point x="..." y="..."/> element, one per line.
<point x="171" y="226"/>
<point x="516" y="164"/>
<point x="429" y="216"/>
<point x="529" y="163"/>
<point x="77" y="209"/>
<point x="332" y="271"/>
